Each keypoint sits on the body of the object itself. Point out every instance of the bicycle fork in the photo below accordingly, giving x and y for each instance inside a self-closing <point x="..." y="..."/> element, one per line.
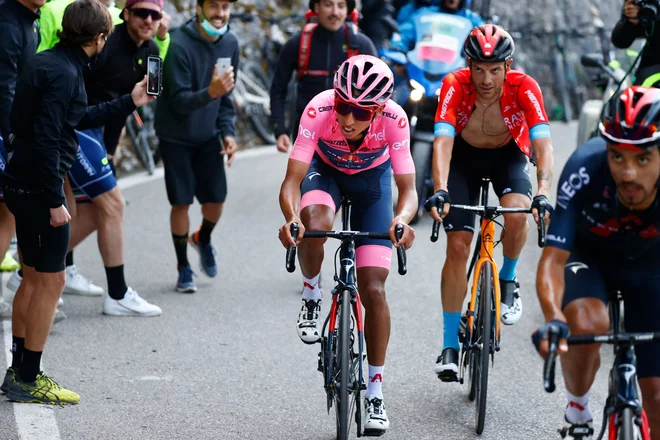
<point x="487" y="244"/>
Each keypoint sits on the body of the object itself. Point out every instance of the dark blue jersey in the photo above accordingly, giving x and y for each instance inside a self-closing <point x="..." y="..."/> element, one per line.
<point x="589" y="218"/>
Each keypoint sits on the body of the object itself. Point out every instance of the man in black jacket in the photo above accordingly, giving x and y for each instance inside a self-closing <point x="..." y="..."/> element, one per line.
<point x="113" y="73"/>
<point x="50" y="101"/>
<point x="329" y="48"/>
<point x="195" y="120"/>
<point x="628" y="29"/>
<point x="19" y="38"/>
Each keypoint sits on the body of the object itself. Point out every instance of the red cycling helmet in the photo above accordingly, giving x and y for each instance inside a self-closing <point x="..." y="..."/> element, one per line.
<point x="632" y="117"/>
<point x="490" y="43"/>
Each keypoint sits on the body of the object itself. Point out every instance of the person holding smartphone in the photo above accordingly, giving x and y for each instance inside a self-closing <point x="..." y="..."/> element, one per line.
<point x="50" y="102"/>
<point x="113" y="73"/>
<point x="634" y="25"/>
<point x="195" y="120"/>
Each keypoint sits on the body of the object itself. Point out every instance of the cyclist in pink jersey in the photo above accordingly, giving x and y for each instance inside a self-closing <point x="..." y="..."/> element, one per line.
<point x="489" y="121"/>
<point x="349" y="142"/>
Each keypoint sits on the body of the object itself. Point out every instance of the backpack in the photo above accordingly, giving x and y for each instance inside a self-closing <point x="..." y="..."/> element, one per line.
<point x="350" y="26"/>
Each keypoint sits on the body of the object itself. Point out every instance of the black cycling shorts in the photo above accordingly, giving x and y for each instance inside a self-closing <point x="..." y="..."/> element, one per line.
<point x="194" y="171"/>
<point x="507" y="168"/>
<point x="587" y="276"/>
<point x="42" y="246"/>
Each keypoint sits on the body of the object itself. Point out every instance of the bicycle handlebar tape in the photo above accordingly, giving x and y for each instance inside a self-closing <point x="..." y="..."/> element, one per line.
<point x="550" y="362"/>
<point x="436" y="231"/>
<point x="542" y="211"/>
<point x="400" y="251"/>
<point x="291" y="250"/>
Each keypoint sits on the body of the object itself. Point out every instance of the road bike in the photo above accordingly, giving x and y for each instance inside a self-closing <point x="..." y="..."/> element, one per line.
<point x="480" y="338"/>
<point x="623" y="415"/>
<point x="339" y="361"/>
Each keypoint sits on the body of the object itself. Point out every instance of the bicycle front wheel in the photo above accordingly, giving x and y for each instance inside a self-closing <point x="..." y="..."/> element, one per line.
<point x="484" y="318"/>
<point x="628" y="429"/>
<point x="342" y="403"/>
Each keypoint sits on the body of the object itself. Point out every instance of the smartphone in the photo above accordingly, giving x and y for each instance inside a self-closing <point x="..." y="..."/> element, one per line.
<point x="154" y="75"/>
<point x="223" y="64"/>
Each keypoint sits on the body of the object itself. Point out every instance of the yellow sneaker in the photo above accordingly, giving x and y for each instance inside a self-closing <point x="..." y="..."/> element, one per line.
<point x="43" y="390"/>
<point x="9" y="264"/>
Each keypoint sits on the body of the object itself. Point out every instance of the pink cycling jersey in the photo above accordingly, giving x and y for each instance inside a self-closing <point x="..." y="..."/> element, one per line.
<point x="388" y="138"/>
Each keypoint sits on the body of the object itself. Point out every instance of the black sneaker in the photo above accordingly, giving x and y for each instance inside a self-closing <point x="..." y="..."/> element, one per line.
<point x="446" y="367"/>
<point x="577" y="431"/>
<point x="511" y="305"/>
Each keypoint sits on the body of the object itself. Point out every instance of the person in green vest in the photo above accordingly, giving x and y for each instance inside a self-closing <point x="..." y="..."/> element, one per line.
<point x="51" y="21"/>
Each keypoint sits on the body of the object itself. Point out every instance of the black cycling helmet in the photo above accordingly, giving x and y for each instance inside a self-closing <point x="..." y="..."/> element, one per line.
<point x="350" y="5"/>
<point x="632" y="117"/>
<point x="490" y="43"/>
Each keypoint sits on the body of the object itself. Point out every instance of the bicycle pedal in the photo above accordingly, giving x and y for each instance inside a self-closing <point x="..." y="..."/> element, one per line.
<point x="446" y="377"/>
<point x="372" y="433"/>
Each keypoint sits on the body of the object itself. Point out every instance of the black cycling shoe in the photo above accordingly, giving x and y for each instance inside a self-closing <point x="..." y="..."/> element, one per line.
<point x="446" y="367"/>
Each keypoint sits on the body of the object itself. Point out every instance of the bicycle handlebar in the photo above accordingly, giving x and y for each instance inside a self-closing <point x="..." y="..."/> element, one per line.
<point x="612" y="338"/>
<point x="493" y="212"/>
<point x="347" y="235"/>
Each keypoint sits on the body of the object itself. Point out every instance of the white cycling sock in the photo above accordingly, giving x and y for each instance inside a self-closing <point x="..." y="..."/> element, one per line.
<point x="311" y="288"/>
<point x="375" y="385"/>
<point x="577" y="410"/>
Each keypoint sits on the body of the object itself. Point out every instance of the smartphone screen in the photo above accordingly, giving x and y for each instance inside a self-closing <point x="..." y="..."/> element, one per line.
<point x="153" y="75"/>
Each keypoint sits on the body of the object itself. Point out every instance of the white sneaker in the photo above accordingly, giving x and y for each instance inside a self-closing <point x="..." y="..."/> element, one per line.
<point x="77" y="284"/>
<point x="14" y="281"/>
<point x="511" y="306"/>
<point x="5" y="309"/>
<point x="376" y="421"/>
<point x="59" y="316"/>
<point x="131" y="305"/>
<point x="308" y="318"/>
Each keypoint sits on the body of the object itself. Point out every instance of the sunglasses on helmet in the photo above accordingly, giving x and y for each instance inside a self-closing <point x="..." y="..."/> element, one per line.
<point x="360" y="114"/>
<point x="144" y="13"/>
<point x="635" y="135"/>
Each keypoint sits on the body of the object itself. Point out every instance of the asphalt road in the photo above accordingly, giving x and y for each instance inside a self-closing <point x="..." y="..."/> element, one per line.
<point x="226" y="363"/>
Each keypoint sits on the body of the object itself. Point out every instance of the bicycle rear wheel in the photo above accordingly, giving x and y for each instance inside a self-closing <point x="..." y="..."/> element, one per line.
<point x="484" y="318"/>
<point x="342" y="403"/>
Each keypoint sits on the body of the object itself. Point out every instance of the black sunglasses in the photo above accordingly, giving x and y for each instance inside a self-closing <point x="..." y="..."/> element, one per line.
<point x="144" y="13"/>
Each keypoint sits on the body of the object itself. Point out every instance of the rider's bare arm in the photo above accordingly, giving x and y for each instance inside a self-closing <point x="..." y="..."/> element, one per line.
<point x="290" y="190"/>
<point x="531" y="103"/>
<point x="406" y="206"/>
<point x="545" y="163"/>
<point x="550" y="282"/>
<point x="442" y="149"/>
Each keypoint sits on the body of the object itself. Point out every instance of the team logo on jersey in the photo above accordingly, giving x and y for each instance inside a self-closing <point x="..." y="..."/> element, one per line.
<point x="402" y="123"/>
<point x="325" y="109"/>
<point x="311" y="112"/>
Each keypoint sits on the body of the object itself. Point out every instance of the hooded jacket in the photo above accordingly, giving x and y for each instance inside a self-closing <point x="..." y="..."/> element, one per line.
<point x="185" y="112"/>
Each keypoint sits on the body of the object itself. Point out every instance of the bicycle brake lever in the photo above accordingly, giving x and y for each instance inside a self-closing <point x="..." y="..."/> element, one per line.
<point x="291" y="250"/>
<point x="401" y="251"/>
<point x="549" y="365"/>
<point x="541" y="211"/>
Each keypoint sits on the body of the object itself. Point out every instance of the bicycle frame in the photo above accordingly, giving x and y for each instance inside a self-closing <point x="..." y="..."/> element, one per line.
<point x="346" y="283"/>
<point x="484" y="251"/>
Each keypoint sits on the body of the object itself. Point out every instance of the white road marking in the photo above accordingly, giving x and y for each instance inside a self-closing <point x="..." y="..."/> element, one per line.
<point x="33" y="421"/>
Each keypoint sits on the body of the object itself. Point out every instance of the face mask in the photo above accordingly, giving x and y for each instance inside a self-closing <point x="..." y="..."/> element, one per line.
<point x="213" y="31"/>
